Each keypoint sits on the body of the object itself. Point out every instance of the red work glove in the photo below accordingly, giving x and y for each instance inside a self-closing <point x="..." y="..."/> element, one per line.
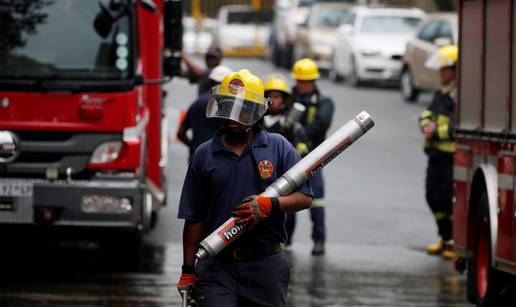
<point x="256" y="208"/>
<point x="188" y="279"/>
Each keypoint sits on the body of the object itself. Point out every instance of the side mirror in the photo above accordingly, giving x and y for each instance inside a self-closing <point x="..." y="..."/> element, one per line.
<point x="110" y="12"/>
<point x="442" y="41"/>
<point x="150" y="5"/>
<point x="173" y="31"/>
<point x="103" y="23"/>
<point x="345" y="30"/>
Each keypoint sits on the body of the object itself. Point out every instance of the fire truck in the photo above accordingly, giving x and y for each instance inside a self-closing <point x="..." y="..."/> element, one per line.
<point x="484" y="218"/>
<point x="82" y="117"/>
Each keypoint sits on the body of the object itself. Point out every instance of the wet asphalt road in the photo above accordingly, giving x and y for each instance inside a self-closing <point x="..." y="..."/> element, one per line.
<point x="377" y="221"/>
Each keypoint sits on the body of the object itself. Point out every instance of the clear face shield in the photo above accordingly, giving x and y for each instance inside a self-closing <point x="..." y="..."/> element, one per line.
<point x="237" y="104"/>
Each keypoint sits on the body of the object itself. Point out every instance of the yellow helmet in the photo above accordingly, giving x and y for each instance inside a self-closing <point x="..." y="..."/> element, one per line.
<point x="305" y="69"/>
<point x="277" y="83"/>
<point x="239" y="97"/>
<point x="446" y="56"/>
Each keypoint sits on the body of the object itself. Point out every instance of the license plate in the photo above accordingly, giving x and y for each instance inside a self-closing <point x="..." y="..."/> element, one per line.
<point x="6" y="204"/>
<point x="16" y="189"/>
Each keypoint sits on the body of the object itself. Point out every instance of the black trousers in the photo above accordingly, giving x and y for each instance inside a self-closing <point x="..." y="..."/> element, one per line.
<point x="230" y="283"/>
<point x="439" y="192"/>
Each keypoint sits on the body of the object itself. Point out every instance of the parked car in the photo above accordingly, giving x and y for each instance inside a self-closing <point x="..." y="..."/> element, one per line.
<point x="436" y="31"/>
<point x="371" y="43"/>
<point x="288" y="15"/>
<point x="242" y="31"/>
<point x="198" y="36"/>
<point x="317" y="36"/>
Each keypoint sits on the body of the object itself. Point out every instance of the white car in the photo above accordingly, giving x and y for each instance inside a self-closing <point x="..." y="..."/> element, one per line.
<point x="371" y="43"/>
<point x="242" y="31"/>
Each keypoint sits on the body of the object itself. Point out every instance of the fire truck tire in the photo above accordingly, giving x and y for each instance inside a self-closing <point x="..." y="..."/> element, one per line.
<point x="484" y="284"/>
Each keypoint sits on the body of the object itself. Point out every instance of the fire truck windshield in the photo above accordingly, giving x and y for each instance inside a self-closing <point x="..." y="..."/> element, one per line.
<point x="56" y="40"/>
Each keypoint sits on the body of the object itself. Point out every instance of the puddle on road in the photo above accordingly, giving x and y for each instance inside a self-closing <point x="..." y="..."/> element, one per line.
<point x="316" y="282"/>
<point x="65" y="276"/>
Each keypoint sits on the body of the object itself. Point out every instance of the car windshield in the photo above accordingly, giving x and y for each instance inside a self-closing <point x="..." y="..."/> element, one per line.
<point x="249" y="17"/>
<point x="389" y="24"/>
<point x="56" y="39"/>
<point x="331" y="17"/>
<point x="305" y="2"/>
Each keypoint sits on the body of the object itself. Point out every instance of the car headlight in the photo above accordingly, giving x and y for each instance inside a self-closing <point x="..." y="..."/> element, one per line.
<point x="370" y="53"/>
<point x="106" y="152"/>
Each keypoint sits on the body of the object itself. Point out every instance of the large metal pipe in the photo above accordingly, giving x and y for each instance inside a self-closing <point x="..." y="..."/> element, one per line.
<point x="291" y="180"/>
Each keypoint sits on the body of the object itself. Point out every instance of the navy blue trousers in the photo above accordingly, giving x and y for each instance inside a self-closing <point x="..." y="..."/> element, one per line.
<point x="439" y="193"/>
<point x="231" y="283"/>
<point x="316" y="212"/>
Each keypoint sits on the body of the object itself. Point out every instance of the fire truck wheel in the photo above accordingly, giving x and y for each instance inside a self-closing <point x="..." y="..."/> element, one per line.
<point x="483" y="281"/>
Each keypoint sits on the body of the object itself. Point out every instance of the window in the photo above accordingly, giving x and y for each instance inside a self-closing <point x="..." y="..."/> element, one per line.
<point x="446" y="31"/>
<point x="389" y="24"/>
<point x="331" y="18"/>
<point x="429" y="31"/>
<point x="350" y="20"/>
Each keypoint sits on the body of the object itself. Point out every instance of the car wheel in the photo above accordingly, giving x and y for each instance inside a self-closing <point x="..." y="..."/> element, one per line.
<point x="484" y="283"/>
<point x="333" y="73"/>
<point x="408" y="90"/>
<point x="354" y="79"/>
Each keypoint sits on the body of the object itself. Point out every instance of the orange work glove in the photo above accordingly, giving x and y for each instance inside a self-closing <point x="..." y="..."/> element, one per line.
<point x="188" y="279"/>
<point x="255" y="208"/>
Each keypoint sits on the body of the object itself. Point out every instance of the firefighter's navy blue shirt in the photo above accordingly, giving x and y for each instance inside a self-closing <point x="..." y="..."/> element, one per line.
<point x="218" y="180"/>
<point x="203" y="128"/>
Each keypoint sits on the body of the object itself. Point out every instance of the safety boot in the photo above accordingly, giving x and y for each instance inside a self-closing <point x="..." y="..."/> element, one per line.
<point x="448" y="252"/>
<point x="318" y="248"/>
<point x="436" y="248"/>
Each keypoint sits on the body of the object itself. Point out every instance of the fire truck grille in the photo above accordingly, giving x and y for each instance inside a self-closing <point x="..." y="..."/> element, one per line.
<point x="41" y="151"/>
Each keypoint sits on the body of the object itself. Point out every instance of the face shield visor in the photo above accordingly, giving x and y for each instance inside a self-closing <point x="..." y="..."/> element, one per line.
<point x="437" y="61"/>
<point x="238" y="104"/>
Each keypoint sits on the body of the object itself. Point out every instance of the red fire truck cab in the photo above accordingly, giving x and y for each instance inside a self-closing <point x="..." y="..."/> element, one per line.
<point x="81" y="114"/>
<point x="484" y="219"/>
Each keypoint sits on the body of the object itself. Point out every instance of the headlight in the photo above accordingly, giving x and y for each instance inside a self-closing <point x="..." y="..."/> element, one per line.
<point x="370" y="53"/>
<point x="105" y="204"/>
<point x="106" y="152"/>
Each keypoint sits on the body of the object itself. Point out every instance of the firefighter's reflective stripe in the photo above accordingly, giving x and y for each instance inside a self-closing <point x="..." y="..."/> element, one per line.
<point x="441" y="215"/>
<point x="460" y="174"/>
<point x="443" y="124"/>
<point x="317" y="202"/>
<point x="505" y="182"/>
<point x="445" y="146"/>
<point x="312" y="111"/>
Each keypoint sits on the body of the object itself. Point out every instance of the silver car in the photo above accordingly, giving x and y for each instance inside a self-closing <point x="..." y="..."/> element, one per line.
<point x="371" y="43"/>
<point x="437" y="30"/>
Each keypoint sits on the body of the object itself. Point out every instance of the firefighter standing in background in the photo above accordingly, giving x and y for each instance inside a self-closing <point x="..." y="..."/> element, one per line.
<point x="315" y="123"/>
<point x="202" y="128"/>
<point x="437" y="124"/>
<point x="200" y="75"/>
<point x="223" y="179"/>
<point x="277" y="90"/>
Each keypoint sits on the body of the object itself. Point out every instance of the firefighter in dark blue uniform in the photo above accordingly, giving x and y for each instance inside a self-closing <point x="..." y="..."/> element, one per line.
<point x="202" y="128"/>
<point x="437" y="124"/>
<point x="315" y="122"/>
<point x="224" y="178"/>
